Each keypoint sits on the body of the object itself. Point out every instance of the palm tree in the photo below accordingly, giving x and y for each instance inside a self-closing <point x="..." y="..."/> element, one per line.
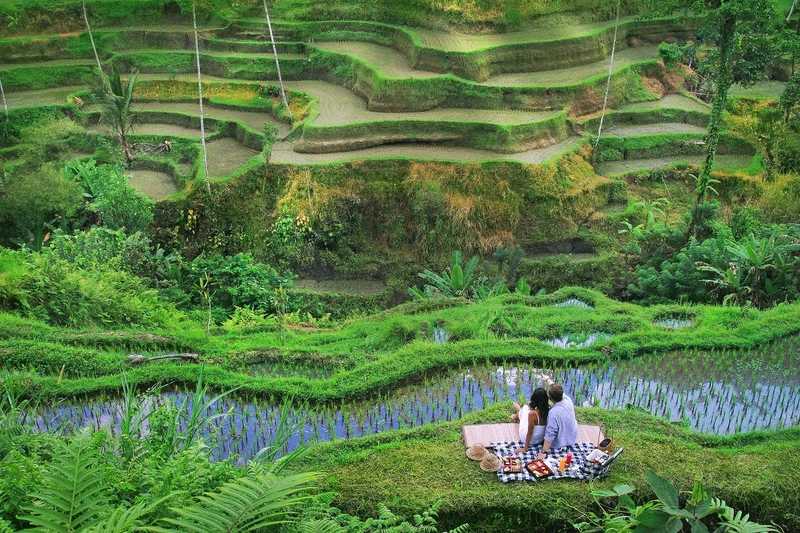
<point x="115" y="97"/>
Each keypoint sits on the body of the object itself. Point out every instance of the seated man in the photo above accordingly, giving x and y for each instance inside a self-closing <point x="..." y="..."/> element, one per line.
<point x="562" y="427"/>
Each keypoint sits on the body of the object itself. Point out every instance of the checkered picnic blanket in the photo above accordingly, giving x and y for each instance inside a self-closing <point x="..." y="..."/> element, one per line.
<point x="580" y="469"/>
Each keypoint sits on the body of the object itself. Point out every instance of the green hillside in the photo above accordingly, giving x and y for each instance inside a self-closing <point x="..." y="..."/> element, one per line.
<point x="256" y="273"/>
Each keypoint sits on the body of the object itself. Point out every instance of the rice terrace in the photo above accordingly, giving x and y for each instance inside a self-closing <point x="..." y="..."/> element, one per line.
<point x="400" y="266"/>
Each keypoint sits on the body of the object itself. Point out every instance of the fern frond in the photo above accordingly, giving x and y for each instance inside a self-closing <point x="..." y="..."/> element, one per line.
<point x="245" y="504"/>
<point x="323" y="525"/>
<point x="127" y="519"/>
<point x="73" y="494"/>
<point x="733" y="521"/>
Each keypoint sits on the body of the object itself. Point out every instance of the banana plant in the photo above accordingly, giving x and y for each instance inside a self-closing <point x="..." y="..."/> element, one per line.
<point x="459" y="280"/>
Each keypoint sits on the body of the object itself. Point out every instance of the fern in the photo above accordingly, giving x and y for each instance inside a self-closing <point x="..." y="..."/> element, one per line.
<point x="246" y="504"/>
<point x="323" y="525"/>
<point x="127" y="519"/>
<point x="733" y="521"/>
<point x="121" y="520"/>
<point x="73" y="494"/>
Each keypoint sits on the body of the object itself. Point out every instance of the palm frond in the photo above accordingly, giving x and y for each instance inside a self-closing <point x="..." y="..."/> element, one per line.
<point x="245" y="504"/>
<point x="73" y="494"/>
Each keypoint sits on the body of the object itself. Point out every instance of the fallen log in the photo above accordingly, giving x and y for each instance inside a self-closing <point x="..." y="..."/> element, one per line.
<point x="138" y="359"/>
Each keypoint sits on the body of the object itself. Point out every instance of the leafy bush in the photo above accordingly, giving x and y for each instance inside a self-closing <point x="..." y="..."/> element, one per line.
<point x="323" y="518"/>
<point x="781" y="201"/>
<point x="699" y="511"/>
<point x="671" y="54"/>
<point x="116" y="204"/>
<point x="104" y="248"/>
<point x="235" y="281"/>
<point x="460" y="280"/>
<point x="761" y="268"/>
<point x="54" y="290"/>
<point x="34" y="203"/>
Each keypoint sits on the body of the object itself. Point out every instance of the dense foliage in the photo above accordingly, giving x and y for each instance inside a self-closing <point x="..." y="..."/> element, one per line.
<point x="103" y="290"/>
<point x="745" y="263"/>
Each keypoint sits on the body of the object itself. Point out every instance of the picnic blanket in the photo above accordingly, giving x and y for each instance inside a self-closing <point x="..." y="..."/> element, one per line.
<point x="581" y="468"/>
<point x="485" y="434"/>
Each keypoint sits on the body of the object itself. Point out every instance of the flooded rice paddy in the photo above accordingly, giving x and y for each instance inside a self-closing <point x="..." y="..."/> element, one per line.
<point x="719" y="393"/>
<point x="151" y="183"/>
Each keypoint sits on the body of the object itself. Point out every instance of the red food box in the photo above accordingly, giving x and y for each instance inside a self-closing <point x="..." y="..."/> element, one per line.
<point x="539" y="469"/>
<point x="512" y="465"/>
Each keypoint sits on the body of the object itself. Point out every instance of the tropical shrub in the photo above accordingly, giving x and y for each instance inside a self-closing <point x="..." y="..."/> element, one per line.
<point x="33" y="204"/>
<point x="671" y="54"/>
<point x="781" y="200"/>
<point x="100" y="247"/>
<point x="56" y="291"/>
<point x="460" y="280"/>
<point x="699" y="511"/>
<point x="116" y="204"/>
<point x="761" y="268"/>
<point x="235" y="281"/>
<point x="326" y="519"/>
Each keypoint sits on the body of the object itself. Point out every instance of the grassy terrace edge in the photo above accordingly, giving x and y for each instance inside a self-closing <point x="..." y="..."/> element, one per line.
<point x="413" y="467"/>
<point x="482" y="63"/>
<point x="742" y="329"/>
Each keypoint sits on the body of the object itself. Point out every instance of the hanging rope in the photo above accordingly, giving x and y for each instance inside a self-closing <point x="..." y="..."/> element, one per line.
<point x="610" y="74"/>
<point x="91" y="39"/>
<point x="200" y="94"/>
<point x="277" y="63"/>
<point x="3" y="95"/>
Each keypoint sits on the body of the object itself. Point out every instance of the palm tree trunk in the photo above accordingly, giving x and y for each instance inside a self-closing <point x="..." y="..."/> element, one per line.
<point x="200" y="96"/>
<point x="126" y="147"/>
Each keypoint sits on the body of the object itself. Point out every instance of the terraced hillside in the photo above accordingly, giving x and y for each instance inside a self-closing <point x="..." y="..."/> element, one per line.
<point x="378" y="91"/>
<point x="387" y="99"/>
<point x="252" y="280"/>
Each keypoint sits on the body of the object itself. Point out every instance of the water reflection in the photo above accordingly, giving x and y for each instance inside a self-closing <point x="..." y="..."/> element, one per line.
<point x="720" y="393"/>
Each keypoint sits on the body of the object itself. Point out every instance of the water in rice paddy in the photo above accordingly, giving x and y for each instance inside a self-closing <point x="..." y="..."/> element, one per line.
<point x="719" y="393"/>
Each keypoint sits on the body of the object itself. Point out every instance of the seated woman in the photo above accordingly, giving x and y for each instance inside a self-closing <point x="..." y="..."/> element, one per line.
<point x="532" y="419"/>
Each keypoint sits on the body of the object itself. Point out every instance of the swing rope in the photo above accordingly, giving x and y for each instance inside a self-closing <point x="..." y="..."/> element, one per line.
<point x="91" y="38"/>
<point x="200" y="94"/>
<point x="277" y="62"/>
<point x="3" y="95"/>
<point x="610" y="74"/>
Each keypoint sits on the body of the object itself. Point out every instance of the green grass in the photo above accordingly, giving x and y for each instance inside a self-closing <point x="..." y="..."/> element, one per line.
<point x="385" y="349"/>
<point x="411" y="468"/>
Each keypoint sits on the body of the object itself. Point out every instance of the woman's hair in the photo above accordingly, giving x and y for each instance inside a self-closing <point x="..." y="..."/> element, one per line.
<point x="539" y="402"/>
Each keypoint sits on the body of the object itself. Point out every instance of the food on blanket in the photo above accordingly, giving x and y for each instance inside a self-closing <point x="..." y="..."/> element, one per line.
<point x="539" y="469"/>
<point x="562" y="464"/>
<point x="569" y="458"/>
<point x="512" y="465"/>
<point x="597" y="457"/>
